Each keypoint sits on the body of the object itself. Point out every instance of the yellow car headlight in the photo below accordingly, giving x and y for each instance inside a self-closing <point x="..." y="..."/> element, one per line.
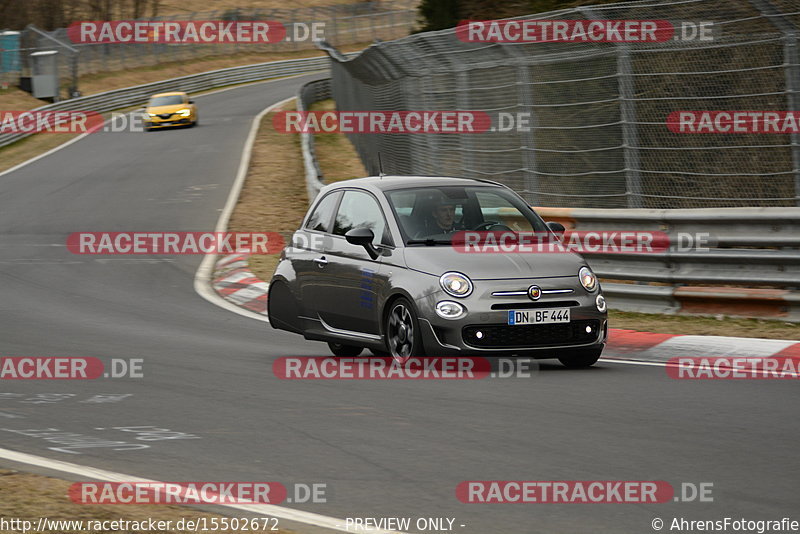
<point x="185" y="112"/>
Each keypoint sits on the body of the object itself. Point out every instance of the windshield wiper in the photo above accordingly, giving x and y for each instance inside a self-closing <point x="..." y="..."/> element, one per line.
<point x="428" y="242"/>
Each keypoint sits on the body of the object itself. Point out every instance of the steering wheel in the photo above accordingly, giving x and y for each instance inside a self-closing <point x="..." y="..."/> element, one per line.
<point x="490" y="225"/>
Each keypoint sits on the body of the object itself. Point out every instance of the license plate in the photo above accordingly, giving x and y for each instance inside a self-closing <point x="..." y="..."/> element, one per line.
<point x="543" y="316"/>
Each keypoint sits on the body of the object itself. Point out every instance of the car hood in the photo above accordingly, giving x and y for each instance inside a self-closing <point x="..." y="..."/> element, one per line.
<point x="167" y="109"/>
<point x="437" y="260"/>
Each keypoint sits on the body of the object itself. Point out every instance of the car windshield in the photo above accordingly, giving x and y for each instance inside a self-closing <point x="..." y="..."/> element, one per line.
<point x="167" y="100"/>
<point x="433" y="215"/>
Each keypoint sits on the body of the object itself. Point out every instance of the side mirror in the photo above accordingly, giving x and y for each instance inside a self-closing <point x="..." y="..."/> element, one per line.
<point x="359" y="236"/>
<point x="557" y="228"/>
<point x="362" y="237"/>
<point x="191" y="101"/>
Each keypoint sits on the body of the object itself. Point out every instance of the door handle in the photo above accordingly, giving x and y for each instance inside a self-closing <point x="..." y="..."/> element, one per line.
<point x="322" y="262"/>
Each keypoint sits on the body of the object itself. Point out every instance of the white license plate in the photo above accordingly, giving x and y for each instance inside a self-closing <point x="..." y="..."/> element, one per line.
<point x="543" y="316"/>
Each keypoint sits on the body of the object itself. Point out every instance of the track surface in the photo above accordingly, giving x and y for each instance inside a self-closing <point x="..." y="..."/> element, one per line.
<point x="385" y="448"/>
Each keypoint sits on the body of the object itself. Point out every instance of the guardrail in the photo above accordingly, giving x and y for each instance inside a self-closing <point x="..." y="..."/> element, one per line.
<point x="137" y="95"/>
<point x="308" y="94"/>
<point x="751" y="267"/>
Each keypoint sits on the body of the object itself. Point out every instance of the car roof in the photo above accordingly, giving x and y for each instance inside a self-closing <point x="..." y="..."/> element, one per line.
<point x="173" y="93"/>
<point x="387" y="183"/>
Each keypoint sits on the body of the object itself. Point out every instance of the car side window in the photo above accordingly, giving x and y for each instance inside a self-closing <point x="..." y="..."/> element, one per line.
<point x="361" y="210"/>
<point x="320" y="219"/>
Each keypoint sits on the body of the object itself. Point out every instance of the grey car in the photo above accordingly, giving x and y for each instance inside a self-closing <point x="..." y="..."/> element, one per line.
<point x="377" y="264"/>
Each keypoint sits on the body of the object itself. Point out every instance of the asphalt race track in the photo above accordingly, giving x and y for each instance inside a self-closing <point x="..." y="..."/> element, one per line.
<point x="384" y="448"/>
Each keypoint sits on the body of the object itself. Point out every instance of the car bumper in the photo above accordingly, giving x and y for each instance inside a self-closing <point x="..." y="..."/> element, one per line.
<point x="484" y="329"/>
<point x="167" y="123"/>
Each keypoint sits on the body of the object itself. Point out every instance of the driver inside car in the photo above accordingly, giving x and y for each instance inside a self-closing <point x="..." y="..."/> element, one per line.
<point x="442" y="219"/>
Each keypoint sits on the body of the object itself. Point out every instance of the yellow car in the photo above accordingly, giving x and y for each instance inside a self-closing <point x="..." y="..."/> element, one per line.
<point x="169" y="109"/>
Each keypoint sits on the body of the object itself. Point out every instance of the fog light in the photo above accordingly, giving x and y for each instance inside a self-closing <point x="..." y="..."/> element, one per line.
<point x="600" y="301"/>
<point x="479" y="334"/>
<point x="588" y="329"/>
<point x="447" y="309"/>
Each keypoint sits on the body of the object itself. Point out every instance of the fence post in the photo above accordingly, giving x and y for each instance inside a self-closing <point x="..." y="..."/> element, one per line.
<point x="73" y="90"/>
<point x="334" y="36"/>
<point x="791" y="62"/>
<point x="526" y="98"/>
<point x="630" y="138"/>
<point x="627" y="112"/>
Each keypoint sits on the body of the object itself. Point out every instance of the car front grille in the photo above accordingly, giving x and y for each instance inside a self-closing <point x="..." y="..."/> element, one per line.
<point x="164" y="115"/>
<point x="536" y="305"/>
<point x="502" y="336"/>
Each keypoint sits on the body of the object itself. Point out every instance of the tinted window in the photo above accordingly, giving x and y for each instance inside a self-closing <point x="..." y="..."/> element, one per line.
<point x="438" y="213"/>
<point x="169" y="100"/>
<point x="320" y="220"/>
<point x="361" y="210"/>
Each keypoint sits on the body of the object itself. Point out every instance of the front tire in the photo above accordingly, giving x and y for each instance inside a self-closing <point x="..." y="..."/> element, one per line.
<point x="344" y="351"/>
<point x="403" y="336"/>
<point x="581" y="359"/>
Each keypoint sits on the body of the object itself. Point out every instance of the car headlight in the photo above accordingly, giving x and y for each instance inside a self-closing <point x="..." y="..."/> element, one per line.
<point x="447" y="309"/>
<point x="185" y="112"/>
<point x="587" y="278"/>
<point x="149" y="114"/>
<point x="456" y="284"/>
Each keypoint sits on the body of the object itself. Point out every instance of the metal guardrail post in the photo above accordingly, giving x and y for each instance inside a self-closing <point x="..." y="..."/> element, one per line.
<point x="791" y="61"/>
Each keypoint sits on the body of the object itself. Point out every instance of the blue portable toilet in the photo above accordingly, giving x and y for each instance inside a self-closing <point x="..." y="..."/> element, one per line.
<point x="9" y="51"/>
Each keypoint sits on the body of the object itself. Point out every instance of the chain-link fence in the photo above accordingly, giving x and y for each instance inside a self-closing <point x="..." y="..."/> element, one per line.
<point x="343" y="25"/>
<point x="598" y="110"/>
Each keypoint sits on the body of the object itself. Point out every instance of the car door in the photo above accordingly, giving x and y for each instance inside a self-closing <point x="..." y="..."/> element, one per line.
<point x="308" y="252"/>
<point x="348" y="300"/>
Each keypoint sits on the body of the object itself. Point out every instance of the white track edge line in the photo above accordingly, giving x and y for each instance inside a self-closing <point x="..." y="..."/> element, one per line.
<point x="202" y="278"/>
<point x="202" y="287"/>
<point x="93" y="473"/>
